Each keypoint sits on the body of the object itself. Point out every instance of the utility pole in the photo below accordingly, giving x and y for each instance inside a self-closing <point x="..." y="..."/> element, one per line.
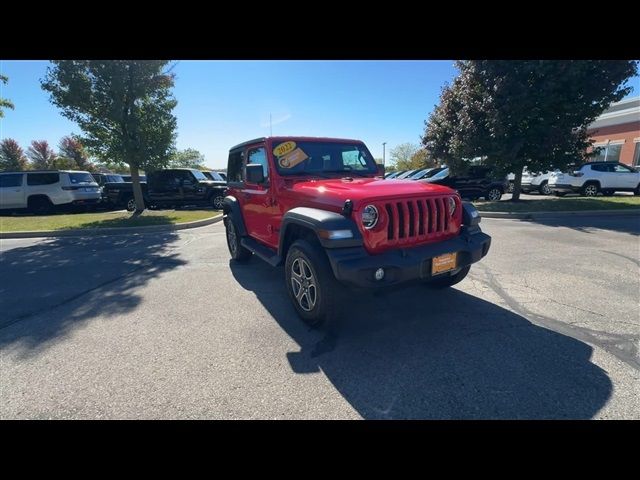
<point x="383" y="153"/>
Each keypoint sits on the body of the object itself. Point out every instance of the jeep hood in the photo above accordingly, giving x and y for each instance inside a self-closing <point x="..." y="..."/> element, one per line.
<point x="336" y="191"/>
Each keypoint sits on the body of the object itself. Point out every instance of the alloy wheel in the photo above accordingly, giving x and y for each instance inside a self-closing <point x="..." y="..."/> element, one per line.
<point x="303" y="284"/>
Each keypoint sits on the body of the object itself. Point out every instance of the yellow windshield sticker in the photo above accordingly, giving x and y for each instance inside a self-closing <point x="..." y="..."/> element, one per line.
<point x="292" y="159"/>
<point x="284" y="148"/>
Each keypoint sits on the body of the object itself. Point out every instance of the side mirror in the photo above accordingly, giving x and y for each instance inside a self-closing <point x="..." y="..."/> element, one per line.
<point x="380" y="170"/>
<point x="255" y="174"/>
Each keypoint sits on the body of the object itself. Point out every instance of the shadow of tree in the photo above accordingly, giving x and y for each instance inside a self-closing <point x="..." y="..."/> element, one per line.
<point x="592" y="223"/>
<point x="104" y="271"/>
<point x="419" y="353"/>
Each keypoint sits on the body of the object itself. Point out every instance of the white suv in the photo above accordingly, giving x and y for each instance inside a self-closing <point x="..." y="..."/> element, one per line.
<point x="41" y="191"/>
<point x="536" y="182"/>
<point x="595" y="177"/>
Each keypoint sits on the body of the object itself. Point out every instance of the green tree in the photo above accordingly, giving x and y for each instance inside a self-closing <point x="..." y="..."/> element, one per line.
<point x="524" y="113"/>
<point x="189" y="158"/>
<point x="4" y="103"/>
<point x="71" y="152"/>
<point x="12" y="157"/>
<point x="41" y="155"/>
<point x="124" y="108"/>
<point x="403" y="154"/>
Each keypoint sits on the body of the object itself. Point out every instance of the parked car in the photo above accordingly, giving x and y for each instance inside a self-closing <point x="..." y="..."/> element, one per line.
<point x="45" y="190"/>
<point x="174" y="187"/>
<point x="426" y="173"/>
<point x="394" y="174"/>
<point x="596" y="177"/>
<point x="478" y="182"/>
<point x="214" y="176"/>
<point x="535" y="182"/>
<point x="102" y="178"/>
<point x="127" y="178"/>
<point x="318" y="207"/>
<point x="406" y="174"/>
<point x="223" y="175"/>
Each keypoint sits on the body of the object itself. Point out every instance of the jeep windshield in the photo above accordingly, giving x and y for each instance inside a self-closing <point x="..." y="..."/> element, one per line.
<point x="323" y="158"/>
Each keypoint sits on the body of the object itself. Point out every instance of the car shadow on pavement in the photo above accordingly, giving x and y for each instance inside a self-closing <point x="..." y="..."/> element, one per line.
<point x="49" y="288"/>
<point x="417" y="353"/>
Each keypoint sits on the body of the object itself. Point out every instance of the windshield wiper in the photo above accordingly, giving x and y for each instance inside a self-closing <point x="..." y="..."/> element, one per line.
<point x="348" y="173"/>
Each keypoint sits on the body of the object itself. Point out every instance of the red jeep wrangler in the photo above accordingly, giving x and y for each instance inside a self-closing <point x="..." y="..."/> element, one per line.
<point x="320" y="206"/>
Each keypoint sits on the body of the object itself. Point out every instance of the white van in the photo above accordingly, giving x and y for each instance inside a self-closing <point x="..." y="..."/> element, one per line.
<point x="42" y="190"/>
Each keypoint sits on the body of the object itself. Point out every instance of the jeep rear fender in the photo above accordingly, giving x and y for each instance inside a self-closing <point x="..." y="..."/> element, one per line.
<point x="231" y="206"/>
<point x="318" y="222"/>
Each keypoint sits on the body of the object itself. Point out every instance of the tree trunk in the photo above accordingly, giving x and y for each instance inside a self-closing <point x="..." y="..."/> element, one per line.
<point x="517" y="182"/>
<point x="137" y="189"/>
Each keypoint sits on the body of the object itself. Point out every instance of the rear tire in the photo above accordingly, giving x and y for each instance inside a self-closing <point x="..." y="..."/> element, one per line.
<point x="310" y="282"/>
<point x="217" y="202"/>
<point x="590" y="190"/>
<point x="40" y="205"/>
<point x="451" y="280"/>
<point x="544" y="188"/>
<point x="237" y="251"/>
<point x="129" y="203"/>
<point x="510" y="187"/>
<point x="494" y="195"/>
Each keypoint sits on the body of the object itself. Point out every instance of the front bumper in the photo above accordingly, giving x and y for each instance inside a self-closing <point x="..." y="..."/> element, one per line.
<point x="563" y="187"/>
<point x="355" y="267"/>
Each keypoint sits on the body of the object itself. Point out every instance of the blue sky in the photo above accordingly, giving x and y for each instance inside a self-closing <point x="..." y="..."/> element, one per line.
<point x="222" y="103"/>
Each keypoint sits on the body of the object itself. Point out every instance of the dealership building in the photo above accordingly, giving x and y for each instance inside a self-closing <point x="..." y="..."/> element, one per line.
<point x="617" y="130"/>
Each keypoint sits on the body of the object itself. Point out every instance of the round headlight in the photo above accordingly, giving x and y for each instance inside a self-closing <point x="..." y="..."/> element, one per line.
<point x="369" y="217"/>
<point x="452" y="206"/>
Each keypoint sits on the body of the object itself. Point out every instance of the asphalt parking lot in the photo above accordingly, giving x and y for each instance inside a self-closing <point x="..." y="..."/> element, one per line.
<point x="162" y="326"/>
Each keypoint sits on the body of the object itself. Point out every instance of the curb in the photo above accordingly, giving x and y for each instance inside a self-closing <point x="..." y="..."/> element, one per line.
<point x="89" y="232"/>
<point x="580" y="213"/>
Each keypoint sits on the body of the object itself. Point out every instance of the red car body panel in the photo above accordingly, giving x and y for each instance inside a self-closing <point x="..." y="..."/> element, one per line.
<point x="263" y="207"/>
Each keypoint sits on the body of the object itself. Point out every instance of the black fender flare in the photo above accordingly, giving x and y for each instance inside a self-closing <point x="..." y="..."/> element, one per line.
<point x="315" y="219"/>
<point x="231" y="206"/>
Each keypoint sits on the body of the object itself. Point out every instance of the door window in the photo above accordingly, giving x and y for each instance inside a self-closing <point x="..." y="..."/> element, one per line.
<point x="43" y="178"/>
<point x="259" y="156"/>
<point x="235" y="170"/>
<point x="622" y="169"/>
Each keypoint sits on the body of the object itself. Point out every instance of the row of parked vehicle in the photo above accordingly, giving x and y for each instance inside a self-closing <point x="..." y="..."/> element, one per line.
<point x="42" y="192"/>
<point x="588" y="179"/>
<point x="478" y="182"/>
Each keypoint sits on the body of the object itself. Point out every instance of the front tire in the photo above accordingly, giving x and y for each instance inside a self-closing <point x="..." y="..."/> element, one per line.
<point x="310" y="282"/>
<point x="510" y="187"/>
<point x="130" y="204"/>
<point x="451" y="280"/>
<point x="237" y="251"/>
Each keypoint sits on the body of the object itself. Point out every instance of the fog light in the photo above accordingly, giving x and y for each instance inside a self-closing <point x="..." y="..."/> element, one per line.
<point x="379" y="275"/>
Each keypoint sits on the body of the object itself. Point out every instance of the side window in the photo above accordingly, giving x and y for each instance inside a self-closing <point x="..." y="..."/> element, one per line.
<point x="622" y="169"/>
<point x="42" y="178"/>
<point x="234" y="167"/>
<point x="601" y="167"/>
<point x="7" y="181"/>
<point x="259" y="156"/>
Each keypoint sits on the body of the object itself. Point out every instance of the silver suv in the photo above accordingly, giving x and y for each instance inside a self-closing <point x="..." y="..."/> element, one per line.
<point x="41" y="191"/>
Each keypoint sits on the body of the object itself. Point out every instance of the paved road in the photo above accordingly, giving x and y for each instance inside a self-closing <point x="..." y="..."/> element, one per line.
<point x="161" y="326"/>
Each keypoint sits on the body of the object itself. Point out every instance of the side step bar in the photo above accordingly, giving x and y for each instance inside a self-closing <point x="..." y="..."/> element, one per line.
<point x="265" y="253"/>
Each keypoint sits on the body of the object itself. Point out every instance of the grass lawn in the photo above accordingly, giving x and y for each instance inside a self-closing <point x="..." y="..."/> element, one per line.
<point x="101" y="220"/>
<point x="556" y="204"/>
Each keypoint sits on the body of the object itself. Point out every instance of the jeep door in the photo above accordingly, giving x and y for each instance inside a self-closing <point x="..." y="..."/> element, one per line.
<point x="259" y="208"/>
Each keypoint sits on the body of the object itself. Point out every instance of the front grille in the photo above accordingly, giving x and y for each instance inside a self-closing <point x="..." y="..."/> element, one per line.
<point x="419" y="219"/>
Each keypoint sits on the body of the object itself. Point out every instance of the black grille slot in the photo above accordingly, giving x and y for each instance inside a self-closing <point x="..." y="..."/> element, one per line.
<point x="420" y="218"/>
<point x="400" y="220"/>
<point x="430" y="216"/>
<point x="411" y="220"/>
<point x="390" y="225"/>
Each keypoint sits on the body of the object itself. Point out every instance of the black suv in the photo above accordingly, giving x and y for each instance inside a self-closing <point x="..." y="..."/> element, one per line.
<point x="175" y="187"/>
<point x="478" y="182"/>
